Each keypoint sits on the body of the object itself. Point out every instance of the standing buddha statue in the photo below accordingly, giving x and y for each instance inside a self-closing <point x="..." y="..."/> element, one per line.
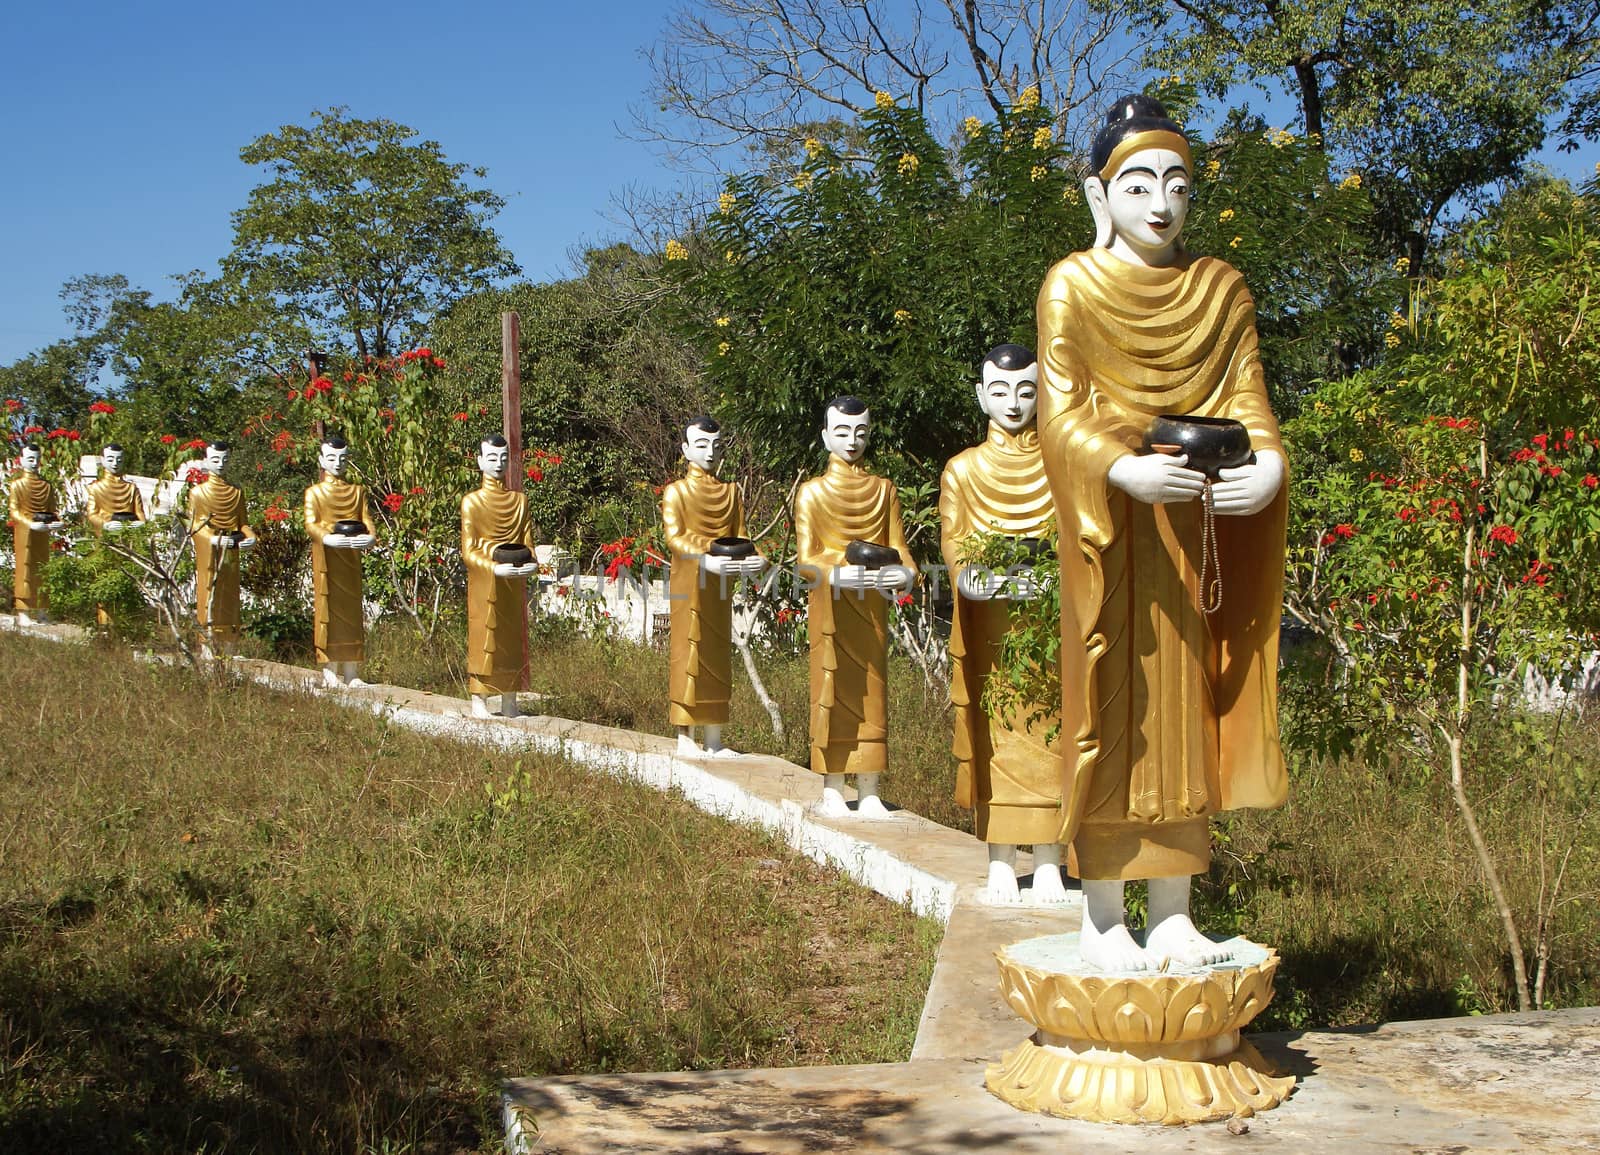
<point x="494" y="521"/>
<point x="32" y="508"/>
<point x="113" y="504"/>
<point x="338" y="524"/>
<point x="218" y="523"/>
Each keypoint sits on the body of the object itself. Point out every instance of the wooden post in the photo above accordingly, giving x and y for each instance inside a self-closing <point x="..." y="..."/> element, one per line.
<point x="314" y="363"/>
<point x="511" y="430"/>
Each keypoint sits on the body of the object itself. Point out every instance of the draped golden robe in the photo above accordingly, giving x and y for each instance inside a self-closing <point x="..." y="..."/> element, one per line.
<point x="1005" y="775"/>
<point x="340" y="633"/>
<point x="849" y="628"/>
<point x="29" y="496"/>
<point x="497" y="623"/>
<point x="217" y="506"/>
<point x="694" y="512"/>
<point x="1167" y="714"/>
<point x="110" y="494"/>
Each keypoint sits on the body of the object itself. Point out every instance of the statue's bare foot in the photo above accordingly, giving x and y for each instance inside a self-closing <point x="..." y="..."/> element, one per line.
<point x="1111" y="950"/>
<point x="1176" y="938"/>
<point x="831" y="805"/>
<point x="480" y="708"/>
<point x="1002" y="889"/>
<point x="330" y="678"/>
<point x="871" y="806"/>
<point x="355" y="681"/>
<point x="688" y="747"/>
<point x="1047" y="888"/>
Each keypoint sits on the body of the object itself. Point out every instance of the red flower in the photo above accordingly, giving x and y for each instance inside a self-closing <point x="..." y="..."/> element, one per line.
<point x="292" y="395"/>
<point x="168" y="438"/>
<point x="102" y="407"/>
<point x="903" y="600"/>
<point x="417" y="490"/>
<point x="283" y="441"/>
<point x="349" y="376"/>
<point x="393" y="502"/>
<point x="275" y="513"/>
<point x="438" y="363"/>
<point x="1590" y="481"/>
<point x="1552" y="471"/>
<point x="196" y="475"/>
<point x="784" y="615"/>
<point x="1407" y="514"/>
<point x="535" y="473"/>
<point x="462" y="416"/>
<point x="1503" y="533"/>
<point x="1372" y="599"/>
<point x="318" y="385"/>
<point x="1345" y="529"/>
<point x="195" y="443"/>
<point x="1542" y="440"/>
<point x="12" y="405"/>
<point x="1523" y="455"/>
<point x="33" y="429"/>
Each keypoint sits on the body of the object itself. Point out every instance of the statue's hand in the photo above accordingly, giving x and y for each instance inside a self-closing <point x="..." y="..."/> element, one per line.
<point x="895" y="577"/>
<point x="1156" y="478"/>
<point x="716" y="565"/>
<point x="1249" y="488"/>
<point x="362" y="541"/>
<point x="223" y="541"/>
<point x="247" y="543"/>
<point x="507" y="570"/>
<point x="40" y="526"/>
<point x="855" y="577"/>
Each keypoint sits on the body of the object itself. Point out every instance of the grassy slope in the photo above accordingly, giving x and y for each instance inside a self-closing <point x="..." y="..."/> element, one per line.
<point x="236" y="920"/>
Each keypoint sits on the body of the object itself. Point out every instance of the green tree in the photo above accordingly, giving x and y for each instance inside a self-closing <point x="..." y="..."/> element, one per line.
<point x="361" y="232"/>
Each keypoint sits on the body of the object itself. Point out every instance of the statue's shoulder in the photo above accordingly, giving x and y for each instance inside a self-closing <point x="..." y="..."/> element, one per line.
<point x="1069" y="270"/>
<point x="1217" y="275"/>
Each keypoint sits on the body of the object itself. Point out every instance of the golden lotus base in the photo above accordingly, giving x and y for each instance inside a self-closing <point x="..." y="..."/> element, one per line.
<point x="1149" y="1047"/>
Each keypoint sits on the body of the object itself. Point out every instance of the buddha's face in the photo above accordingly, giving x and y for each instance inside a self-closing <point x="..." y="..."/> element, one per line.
<point x="1010" y="396"/>
<point x="111" y="461"/>
<point x="702" y="448"/>
<point x="216" y="461"/>
<point x="493" y="459"/>
<point x="30" y="460"/>
<point x="845" y="435"/>
<point x="333" y="458"/>
<point x="1148" y="201"/>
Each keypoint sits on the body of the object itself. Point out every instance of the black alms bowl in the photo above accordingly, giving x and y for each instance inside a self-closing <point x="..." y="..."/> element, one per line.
<point x="871" y="555"/>
<point x="1212" y="443"/>
<point x="350" y="528"/>
<point x="510" y="553"/>
<point x="737" y="548"/>
<point x="124" y="515"/>
<point x="233" y="535"/>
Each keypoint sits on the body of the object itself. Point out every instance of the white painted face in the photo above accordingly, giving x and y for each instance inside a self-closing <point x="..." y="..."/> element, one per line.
<point x="702" y="448"/>
<point x="216" y="460"/>
<point x="1148" y="201"/>
<point x="845" y="435"/>
<point x="30" y="460"/>
<point x="331" y="459"/>
<point x="493" y="460"/>
<point x="1010" y="396"/>
<point x="111" y="461"/>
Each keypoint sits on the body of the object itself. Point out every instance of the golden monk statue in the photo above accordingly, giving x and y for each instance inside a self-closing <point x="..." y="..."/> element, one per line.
<point x="848" y="511"/>
<point x="217" y="521"/>
<point x="1006" y="774"/>
<point x="703" y="520"/>
<point x="338" y="524"/>
<point x="497" y="547"/>
<point x="1168" y="713"/>
<point x="114" y="504"/>
<point x="32" y="509"/>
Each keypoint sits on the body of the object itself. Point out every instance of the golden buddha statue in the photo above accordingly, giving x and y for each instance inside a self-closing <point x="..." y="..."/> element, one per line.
<point x="1006" y="774"/>
<point x="218" y="524"/>
<point x="495" y="519"/>
<point x="113" y="504"/>
<point x="338" y="524"/>
<point x="848" y="608"/>
<point x="32" y="509"/>
<point x="696" y="512"/>
<point x="1168" y="714"/>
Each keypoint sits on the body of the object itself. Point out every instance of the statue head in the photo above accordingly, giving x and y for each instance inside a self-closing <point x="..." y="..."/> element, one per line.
<point x="494" y="456"/>
<point x="846" y="428"/>
<point x="217" y="458"/>
<point x="111" y="459"/>
<point x="29" y="458"/>
<point x="702" y="443"/>
<point x="1139" y="189"/>
<point x="1009" y="391"/>
<point x="333" y="456"/>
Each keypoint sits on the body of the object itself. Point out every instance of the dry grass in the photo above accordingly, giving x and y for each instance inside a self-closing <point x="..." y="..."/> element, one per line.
<point x="234" y="920"/>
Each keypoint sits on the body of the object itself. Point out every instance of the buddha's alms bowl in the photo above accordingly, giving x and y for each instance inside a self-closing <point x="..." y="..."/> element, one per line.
<point x="737" y="548"/>
<point x="350" y="528"/>
<point x="871" y="555"/>
<point x="510" y="553"/>
<point x="1212" y="443"/>
<point x="233" y="535"/>
<point x="124" y="515"/>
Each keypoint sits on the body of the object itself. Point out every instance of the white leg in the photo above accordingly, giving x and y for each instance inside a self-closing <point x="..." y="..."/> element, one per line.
<point x="1171" y="934"/>
<point x="1047" y="888"/>
<point x="24" y="618"/>
<point x="1104" y="941"/>
<point x="687" y="747"/>
<point x="1002" y="889"/>
<point x="330" y="675"/>
<point x="508" y="706"/>
<point x="832" y="804"/>
<point x="351" y="672"/>
<point x="714" y="746"/>
<point x="480" y="706"/>
<point x="868" y="804"/>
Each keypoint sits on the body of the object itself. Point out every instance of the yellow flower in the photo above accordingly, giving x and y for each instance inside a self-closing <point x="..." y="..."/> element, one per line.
<point x="1213" y="169"/>
<point x="726" y="203"/>
<point x="1322" y="407"/>
<point x="1357" y="456"/>
<point x="1281" y="137"/>
<point x="812" y="146"/>
<point x="721" y="322"/>
<point x="908" y="164"/>
<point x="882" y="99"/>
<point x="1225" y="215"/>
<point x="722" y="349"/>
<point x="972" y="125"/>
<point x="1391" y="340"/>
<point x="1233" y="244"/>
<point x="1397" y="320"/>
<point x="1351" y="181"/>
<point x="901" y="316"/>
<point x="1043" y="137"/>
<point x="1402" y="265"/>
<point x="730" y="256"/>
<point x="1029" y="98"/>
<point x="802" y="180"/>
<point x="1070" y="195"/>
<point x="676" y="251"/>
<point x="1039" y="172"/>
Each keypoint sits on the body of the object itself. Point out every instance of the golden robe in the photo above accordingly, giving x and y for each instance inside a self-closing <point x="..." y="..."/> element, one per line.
<point x="110" y="494"/>
<point x="340" y="633"/>
<point x="29" y="496"/>
<point x="497" y="622"/>
<point x="849" y="628"/>
<point x="216" y="505"/>
<point x="1005" y="775"/>
<point x="694" y="512"/>
<point x="1167" y="714"/>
